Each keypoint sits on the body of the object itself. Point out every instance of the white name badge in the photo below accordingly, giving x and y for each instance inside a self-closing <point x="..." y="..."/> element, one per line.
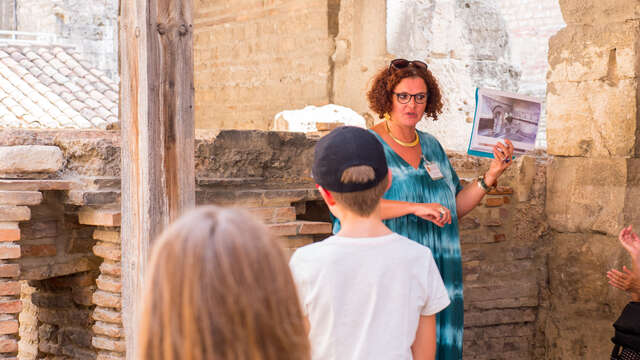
<point x="433" y="169"/>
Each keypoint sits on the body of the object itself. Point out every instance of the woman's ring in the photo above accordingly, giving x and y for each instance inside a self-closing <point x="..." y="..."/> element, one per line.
<point x="442" y="211"/>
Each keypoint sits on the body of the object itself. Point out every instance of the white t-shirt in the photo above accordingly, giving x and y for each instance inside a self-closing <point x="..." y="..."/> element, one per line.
<point x="364" y="296"/>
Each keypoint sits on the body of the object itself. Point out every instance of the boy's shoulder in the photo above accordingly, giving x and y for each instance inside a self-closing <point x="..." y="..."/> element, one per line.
<point x="333" y="244"/>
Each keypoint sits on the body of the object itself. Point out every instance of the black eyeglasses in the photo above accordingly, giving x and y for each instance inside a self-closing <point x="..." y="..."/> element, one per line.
<point x="404" y="98"/>
<point x="398" y="64"/>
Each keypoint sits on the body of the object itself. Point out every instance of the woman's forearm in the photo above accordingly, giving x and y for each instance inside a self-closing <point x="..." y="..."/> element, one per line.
<point x="392" y="208"/>
<point x="468" y="198"/>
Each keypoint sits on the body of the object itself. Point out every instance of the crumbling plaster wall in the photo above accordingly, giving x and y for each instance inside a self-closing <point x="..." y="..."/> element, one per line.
<point x="593" y="182"/>
<point x="90" y="26"/>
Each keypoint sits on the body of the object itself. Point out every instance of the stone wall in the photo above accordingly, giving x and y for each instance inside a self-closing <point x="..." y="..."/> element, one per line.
<point x="504" y="240"/>
<point x="90" y="26"/>
<point x="7" y="15"/>
<point x="592" y="183"/>
<point x="254" y="58"/>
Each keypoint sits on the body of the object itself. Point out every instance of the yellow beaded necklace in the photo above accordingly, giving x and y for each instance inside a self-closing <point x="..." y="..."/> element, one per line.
<point x="405" y="144"/>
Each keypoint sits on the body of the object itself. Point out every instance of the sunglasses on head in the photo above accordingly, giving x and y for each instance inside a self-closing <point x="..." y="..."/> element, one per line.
<point x="398" y="64"/>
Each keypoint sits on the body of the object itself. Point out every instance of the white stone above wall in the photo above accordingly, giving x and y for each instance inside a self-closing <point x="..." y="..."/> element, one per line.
<point x="30" y="159"/>
<point x="305" y="120"/>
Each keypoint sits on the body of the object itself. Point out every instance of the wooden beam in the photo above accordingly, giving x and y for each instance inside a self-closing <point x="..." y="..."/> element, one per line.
<point x="156" y="110"/>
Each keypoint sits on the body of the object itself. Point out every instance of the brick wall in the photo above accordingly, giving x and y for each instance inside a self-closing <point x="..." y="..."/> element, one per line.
<point x="254" y="58"/>
<point x="63" y="307"/>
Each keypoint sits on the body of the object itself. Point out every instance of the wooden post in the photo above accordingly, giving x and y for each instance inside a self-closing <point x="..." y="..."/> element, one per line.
<point x="156" y="111"/>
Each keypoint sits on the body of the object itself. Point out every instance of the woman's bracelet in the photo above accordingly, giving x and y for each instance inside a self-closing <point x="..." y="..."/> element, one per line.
<point x="483" y="185"/>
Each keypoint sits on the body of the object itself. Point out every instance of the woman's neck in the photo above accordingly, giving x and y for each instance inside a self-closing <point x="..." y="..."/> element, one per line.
<point x="403" y="133"/>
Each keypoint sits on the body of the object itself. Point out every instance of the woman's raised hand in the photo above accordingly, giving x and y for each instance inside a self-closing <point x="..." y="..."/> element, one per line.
<point x="434" y="212"/>
<point x="631" y="242"/>
<point x="625" y="280"/>
<point x="502" y="159"/>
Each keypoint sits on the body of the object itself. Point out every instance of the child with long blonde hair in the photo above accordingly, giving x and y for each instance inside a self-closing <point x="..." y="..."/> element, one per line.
<point x="219" y="287"/>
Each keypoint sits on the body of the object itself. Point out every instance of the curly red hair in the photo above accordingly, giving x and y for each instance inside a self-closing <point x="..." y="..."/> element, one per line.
<point x="385" y="81"/>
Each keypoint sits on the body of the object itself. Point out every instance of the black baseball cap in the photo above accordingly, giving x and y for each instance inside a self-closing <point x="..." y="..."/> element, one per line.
<point x="342" y="148"/>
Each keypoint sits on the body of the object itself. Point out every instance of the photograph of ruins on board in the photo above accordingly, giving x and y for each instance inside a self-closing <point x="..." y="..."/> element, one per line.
<point x="503" y="115"/>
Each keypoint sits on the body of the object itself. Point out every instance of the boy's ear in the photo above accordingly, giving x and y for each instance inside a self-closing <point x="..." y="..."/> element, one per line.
<point x="326" y="195"/>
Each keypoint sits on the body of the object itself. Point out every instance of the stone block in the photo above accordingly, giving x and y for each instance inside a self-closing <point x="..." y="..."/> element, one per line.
<point x="110" y="356"/>
<point x="108" y="251"/>
<point x="8" y="346"/>
<point x="39" y="229"/>
<point x="68" y="316"/>
<point x="80" y="241"/>
<point x="9" y="270"/>
<point x="10" y="306"/>
<point x="14" y="213"/>
<point x="499" y="317"/>
<point x="70" y="266"/>
<point x="30" y="159"/>
<point x="274" y="215"/>
<point x="592" y="118"/>
<point x="9" y="251"/>
<point x="108" y="283"/>
<point x="469" y="223"/>
<point x="576" y="269"/>
<point x="493" y="201"/>
<point x="526" y="172"/>
<point x="9" y="327"/>
<point x="9" y="287"/>
<point x="108" y="236"/>
<point x="107" y="315"/>
<point x="314" y="227"/>
<point x="105" y="343"/>
<point x="108" y="329"/>
<point x="632" y="196"/>
<point x="101" y="197"/>
<point x="38" y="250"/>
<point x="284" y="229"/>
<point x="52" y="300"/>
<point x="594" y="52"/>
<point x="9" y="231"/>
<point x="99" y="217"/>
<point x="598" y="11"/>
<point x="36" y="185"/>
<point x="20" y="197"/>
<point x="294" y="242"/>
<point x="107" y="299"/>
<point x="113" y="268"/>
<point x="83" y="295"/>
<point x="585" y="195"/>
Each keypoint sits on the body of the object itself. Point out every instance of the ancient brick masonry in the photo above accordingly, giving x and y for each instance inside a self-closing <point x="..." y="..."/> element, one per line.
<point x="13" y="209"/>
<point x="504" y="240"/>
<point x="503" y="249"/>
<point x="108" y="336"/>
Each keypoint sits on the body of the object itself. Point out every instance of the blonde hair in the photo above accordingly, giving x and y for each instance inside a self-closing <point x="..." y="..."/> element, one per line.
<point x="362" y="202"/>
<point x="219" y="287"/>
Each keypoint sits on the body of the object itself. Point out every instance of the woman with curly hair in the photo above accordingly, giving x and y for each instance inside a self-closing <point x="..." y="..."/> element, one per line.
<point x="426" y="199"/>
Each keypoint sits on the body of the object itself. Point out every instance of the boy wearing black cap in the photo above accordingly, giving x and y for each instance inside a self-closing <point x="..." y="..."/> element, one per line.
<point x="364" y="290"/>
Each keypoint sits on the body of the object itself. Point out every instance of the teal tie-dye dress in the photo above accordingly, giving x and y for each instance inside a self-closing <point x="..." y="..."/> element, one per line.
<point x="415" y="185"/>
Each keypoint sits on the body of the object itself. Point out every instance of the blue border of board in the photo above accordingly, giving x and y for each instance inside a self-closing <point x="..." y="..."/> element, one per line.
<point x="476" y="152"/>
